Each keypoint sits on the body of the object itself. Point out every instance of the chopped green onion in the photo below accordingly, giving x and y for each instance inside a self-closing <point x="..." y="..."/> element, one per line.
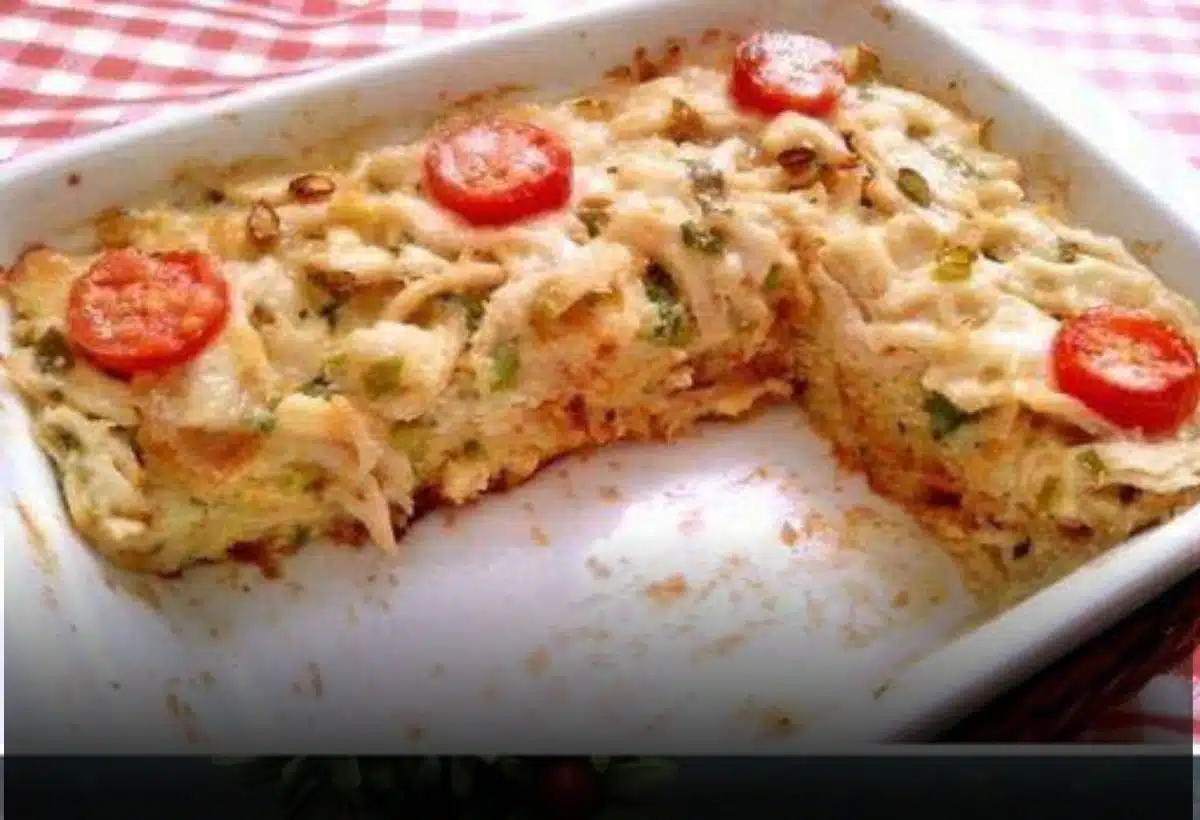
<point x="263" y="421"/>
<point x="944" y="416"/>
<point x="954" y="264"/>
<point x="383" y="377"/>
<point x="506" y="364"/>
<point x="1092" y="463"/>
<point x="914" y="186"/>
<point x="773" y="278"/>
<point x="671" y="327"/>
<point x="701" y="239"/>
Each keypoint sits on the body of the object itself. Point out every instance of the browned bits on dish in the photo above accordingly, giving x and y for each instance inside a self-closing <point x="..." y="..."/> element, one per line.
<point x="863" y="64"/>
<point x="311" y="187"/>
<point x="668" y="590"/>
<point x="73" y="179"/>
<point x="788" y="534"/>
<point x="262" y="224"/>
<point x="114" y="228"/>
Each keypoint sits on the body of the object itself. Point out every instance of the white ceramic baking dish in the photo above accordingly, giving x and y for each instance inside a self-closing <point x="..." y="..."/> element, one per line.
<point x="478" y="638"/>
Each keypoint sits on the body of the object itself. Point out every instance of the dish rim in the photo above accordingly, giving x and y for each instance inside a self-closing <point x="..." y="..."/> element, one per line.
<point x="995" y="655"/>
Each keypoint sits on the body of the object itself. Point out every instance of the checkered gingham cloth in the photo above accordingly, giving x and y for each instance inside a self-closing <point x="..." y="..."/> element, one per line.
<point x="70" y="67"/>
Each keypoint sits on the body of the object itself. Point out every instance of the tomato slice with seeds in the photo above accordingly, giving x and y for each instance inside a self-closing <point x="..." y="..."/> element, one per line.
<point x="1129" y="367"/>
<point x="777" y="71"/>
<point x="496" y="172"/>
<point x="133" y="311"/>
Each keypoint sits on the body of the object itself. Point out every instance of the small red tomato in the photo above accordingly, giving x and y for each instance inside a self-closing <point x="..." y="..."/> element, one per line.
<point x="134" y="311"/>
<point x="497" y="172"/>
<point x="776" y="71"/>
<point x="1129" y="367"/>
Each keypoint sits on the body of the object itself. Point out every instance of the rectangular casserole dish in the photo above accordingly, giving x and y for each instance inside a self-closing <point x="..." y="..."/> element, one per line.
<point x="473" y="637"/>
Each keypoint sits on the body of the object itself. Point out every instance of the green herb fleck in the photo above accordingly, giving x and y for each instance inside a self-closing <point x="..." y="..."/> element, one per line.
<point x="954" y="264"/>
<point x="263" y="421"/>
<point x="701" y="239"/>
<point x="707" y="182"/>
<point x="944" y="416"/>
<point x="53" y="353"/>
<point x="1048" y="494"/>
<point x="774" y="277"/>
<point x="671" y="326"/>
<point x="914" y="186"/>
<point x="383" y="377"/>
<point x="1092" y="463"/>
<point x="303" y="477"/>
<point x="473" y="304"/>
<point x="955" y="161"/>
<point x="506" y="365"/>
<point x="62" y="440"/>
<point x="319" y="387"/>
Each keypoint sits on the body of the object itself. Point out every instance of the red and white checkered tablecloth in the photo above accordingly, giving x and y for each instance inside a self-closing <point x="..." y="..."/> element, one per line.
<point x="69" y="67"/>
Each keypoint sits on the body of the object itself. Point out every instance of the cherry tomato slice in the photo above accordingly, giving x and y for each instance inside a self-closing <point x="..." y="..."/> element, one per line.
<point x="1129" y="367"/>
<point x="777" y="71"/>
<point x="497" y="172"/>
<point x="134" y="311"/>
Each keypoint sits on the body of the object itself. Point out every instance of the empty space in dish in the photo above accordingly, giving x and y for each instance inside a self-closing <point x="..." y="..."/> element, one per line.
<point x="731" y="589"/>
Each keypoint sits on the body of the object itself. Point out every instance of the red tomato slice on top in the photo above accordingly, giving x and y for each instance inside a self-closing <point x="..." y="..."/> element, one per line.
<point x="1129" y="367"/>
<point x="497" y="172"/>
<point x="776" y="71"/>
<point x="133" y="311"/>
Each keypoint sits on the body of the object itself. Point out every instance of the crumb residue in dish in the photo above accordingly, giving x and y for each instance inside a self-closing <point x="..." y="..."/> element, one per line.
<point x="669" y="590"/>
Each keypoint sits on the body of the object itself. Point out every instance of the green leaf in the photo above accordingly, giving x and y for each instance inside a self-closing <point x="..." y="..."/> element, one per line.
<point x="345" y="773"/>
<point x="462" y="776"/>
<point x="944" y="416"/>
<point x="637" y="777"/>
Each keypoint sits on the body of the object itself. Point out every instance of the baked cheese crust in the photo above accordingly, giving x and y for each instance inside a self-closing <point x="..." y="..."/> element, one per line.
<point x="881" y="264"/>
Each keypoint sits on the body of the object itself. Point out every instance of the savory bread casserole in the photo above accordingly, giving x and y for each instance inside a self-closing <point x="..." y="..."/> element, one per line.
<point x="327" y="350"/>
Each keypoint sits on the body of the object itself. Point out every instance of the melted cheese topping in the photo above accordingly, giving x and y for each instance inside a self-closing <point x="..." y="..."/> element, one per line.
<point x="381" y="351"/>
